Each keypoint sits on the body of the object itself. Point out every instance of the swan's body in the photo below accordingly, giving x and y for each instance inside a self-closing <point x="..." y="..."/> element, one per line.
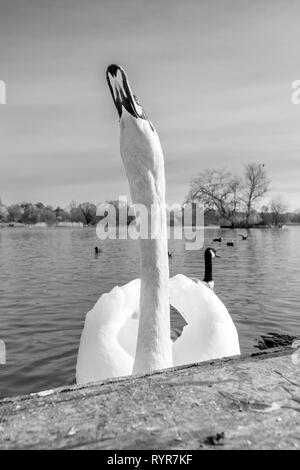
<point x="109" y="339"/>
<point x="128" y="330"/>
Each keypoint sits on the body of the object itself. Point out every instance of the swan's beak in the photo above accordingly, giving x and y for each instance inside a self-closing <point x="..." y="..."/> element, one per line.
<point x="121" y="92"/>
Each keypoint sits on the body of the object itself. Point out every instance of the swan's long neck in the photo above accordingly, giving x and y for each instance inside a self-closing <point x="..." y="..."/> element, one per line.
<point x="144" y="166"/>
<point x="154" y="345"/>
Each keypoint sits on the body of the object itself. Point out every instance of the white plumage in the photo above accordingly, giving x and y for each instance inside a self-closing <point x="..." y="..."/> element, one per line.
<point x="128" y="329"/>
<point x="210" y="332"/>
<point x="101" y="355"/>
<point x="108" y="341"/>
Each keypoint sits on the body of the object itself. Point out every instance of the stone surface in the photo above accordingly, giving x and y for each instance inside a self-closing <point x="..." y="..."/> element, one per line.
<point x="250" y="402"/>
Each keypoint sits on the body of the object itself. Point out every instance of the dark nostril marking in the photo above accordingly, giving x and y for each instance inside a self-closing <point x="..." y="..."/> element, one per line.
<point x="152" y="127"/>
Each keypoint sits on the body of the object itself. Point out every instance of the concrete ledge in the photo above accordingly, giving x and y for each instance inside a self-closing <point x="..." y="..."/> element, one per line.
<point x="247" y="402"/>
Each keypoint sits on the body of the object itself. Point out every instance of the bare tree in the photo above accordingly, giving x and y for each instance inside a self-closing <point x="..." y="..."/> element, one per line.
<point x="256" y="185"/>
<point x="277" y="208"/>
<point x="219" y="190"/>
<point x="3" y="211"/>
<point x="89" y="212"/>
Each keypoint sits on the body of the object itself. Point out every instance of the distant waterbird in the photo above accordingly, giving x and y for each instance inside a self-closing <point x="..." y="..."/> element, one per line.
<point x="209" y="255"/>
<point x="97" y="250"/>
<point x="244" y="237"/>
<point x="230" y="243"/>
<point x="218" y="239"/>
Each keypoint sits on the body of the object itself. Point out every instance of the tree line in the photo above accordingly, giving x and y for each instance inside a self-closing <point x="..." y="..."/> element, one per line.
<point x="228" y="199"/>
<point x="233" y="200"/>
<point x="33" y="213"/>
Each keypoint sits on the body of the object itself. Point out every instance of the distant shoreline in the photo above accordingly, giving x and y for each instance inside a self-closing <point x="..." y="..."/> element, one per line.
<point x="79" y="225"/>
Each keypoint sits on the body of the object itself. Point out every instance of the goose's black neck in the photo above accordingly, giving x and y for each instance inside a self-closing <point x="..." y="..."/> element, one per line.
<point x="208" y="267"/>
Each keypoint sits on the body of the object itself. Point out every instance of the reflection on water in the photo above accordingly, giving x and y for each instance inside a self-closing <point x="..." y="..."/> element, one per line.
<point x="50" y="278"/>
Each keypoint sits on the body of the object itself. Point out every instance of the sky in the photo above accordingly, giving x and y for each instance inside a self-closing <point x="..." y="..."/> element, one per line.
<point x="213" y="76"/>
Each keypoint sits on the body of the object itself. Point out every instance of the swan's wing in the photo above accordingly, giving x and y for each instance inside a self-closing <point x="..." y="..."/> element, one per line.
<point x="100" y="353"/>
<point x="128" y="333"/>
<point x="210" y="332"/>
<point x="127" y="336"/>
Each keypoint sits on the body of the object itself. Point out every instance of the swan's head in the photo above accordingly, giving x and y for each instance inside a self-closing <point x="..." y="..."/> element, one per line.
<point x="121" y="93"/>
<point x="139" y="143"/>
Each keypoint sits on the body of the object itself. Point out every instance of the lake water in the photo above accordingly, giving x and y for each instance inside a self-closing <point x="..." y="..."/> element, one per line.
<point x="49" y="279"/>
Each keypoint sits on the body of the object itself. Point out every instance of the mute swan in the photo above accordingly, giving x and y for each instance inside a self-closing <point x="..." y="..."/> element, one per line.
<point x="128" y="329"/>
<point x="144" y="166"/>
